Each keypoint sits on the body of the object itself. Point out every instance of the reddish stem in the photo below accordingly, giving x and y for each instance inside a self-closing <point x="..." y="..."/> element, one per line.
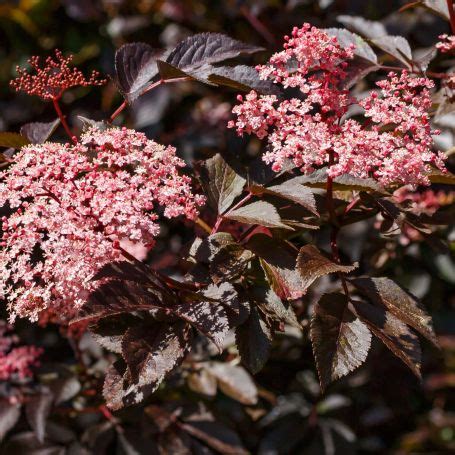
<point x="334" y="223"/>
<point x="451" y="15"/>
<point x="63" y="120"/>
<point x="220" y="218"/>
<point x="257" y="25"/>
<point x="147" y="89"/>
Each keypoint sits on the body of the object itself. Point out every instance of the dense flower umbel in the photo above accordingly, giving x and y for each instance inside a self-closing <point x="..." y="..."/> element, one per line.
<point x="15" y="362"/>
<point x="74" y="205"/>
<point x="392" y="145"/>
<point x="52" y="79"/>
<point x="447" y="43"/>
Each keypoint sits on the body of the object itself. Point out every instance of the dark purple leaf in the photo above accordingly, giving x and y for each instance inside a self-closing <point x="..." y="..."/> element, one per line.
<point x="37" y="410"/>
<point x="259" y="212"/>
<point x="294" y="191"/>
<point x="396" y="335"/>
<point x="242" y="77"/>
<point x="279" y="262"/>
<point x="216" y="435"/>
<point x="222" y="183"/>
<point x="364" y="27"/>
<point x="9" y="415"/>
<point x="150" y="356"/>
<point x="273" y="307"/>
<point x="207" y="48"/>
<point x="312" y="265"/>
<point x="396" y="46"/>
<point x="340" y="340"/>
<point x="253" y="340"/>
<point x="362" y="48"/>
<point x="385" y="292"/>
<point x="135" y="66"/>
<point x="39" y="132"/>
<point x="151" y="351"/>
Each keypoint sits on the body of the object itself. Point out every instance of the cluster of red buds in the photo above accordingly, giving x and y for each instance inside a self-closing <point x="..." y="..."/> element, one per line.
<point x="51" y="80"/>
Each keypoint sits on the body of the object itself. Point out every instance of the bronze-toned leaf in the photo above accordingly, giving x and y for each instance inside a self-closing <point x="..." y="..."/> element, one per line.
<point x="383" y="291"/>
<point x="222" y="183"/>
<point x="340" y="340"/>
<point x="396" y="335"/>
<point x="259" y="212"/>
<point x="312" y="265"/>
<point x="279" y="262"/>
<point x="12" y="140"/>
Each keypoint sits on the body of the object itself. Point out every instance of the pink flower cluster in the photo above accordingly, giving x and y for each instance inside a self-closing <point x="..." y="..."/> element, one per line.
<point x="394" y="142"/>
<point x="15" y="362"/>
<point x="53" y="78"/>
<point x="447" y="43"/>
<point x="427" y="201"/>
<point x="74" y="207"/>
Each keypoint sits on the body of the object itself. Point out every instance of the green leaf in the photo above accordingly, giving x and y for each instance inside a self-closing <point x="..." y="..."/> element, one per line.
<point x="259" y="212"/>
<point x="222" y="183"/>
<point x="312" y="265"/>
<point x="396" y="335"/>
<point x="253" y="340"/>
<point x="385" y="292"/>
<point x="340" y="340"/>
<point x="12" y="140"/>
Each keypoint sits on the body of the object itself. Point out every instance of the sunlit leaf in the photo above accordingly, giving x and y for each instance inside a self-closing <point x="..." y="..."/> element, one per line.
<point x="340" y="340"/>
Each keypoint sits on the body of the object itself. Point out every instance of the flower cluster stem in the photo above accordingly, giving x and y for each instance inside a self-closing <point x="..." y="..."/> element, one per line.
<point x="63" y="120"/>
<point x="334" y="225"/>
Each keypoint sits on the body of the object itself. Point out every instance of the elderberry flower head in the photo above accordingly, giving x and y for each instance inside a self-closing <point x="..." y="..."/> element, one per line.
<point x="447" y="43"/>
<point x="393" y="144"/>
<point x="73" y="208"/>
<point x="16" y="362"/>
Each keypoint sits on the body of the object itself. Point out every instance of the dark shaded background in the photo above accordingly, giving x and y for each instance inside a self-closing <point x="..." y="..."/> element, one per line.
<point x="381" y="408"/>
